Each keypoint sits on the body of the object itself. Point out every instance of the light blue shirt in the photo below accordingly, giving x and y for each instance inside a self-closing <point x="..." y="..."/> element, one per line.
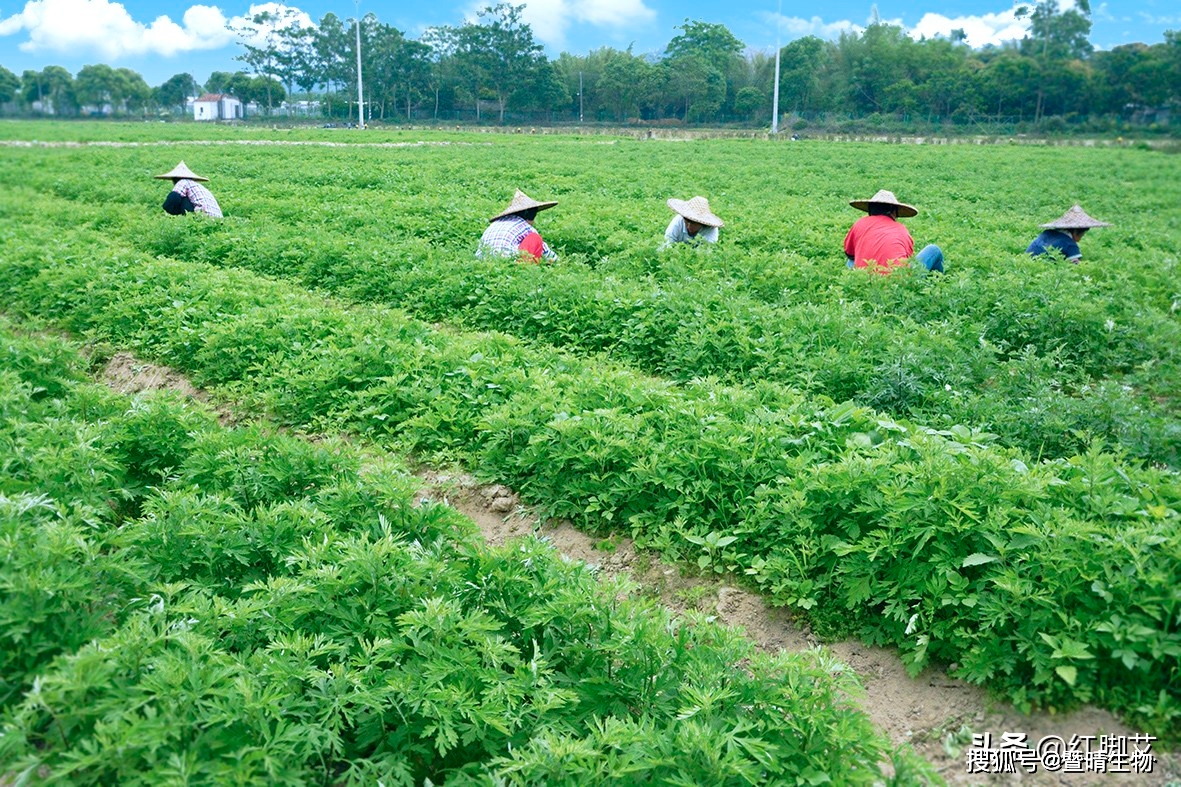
<point x="678" y="233"/>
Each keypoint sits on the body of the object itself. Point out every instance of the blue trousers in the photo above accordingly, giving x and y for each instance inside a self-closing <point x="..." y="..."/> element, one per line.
<point x="178" y="205"/>
<point x="931" y="257"/>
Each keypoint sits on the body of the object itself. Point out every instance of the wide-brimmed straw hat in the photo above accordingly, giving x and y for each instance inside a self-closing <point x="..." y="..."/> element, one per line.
<point x="696" y="210"/>
<point x="884" y="197"/>
<point x="521" y="201"/>
<point x="181" y="172"/>
<point x="1075" y="219"/>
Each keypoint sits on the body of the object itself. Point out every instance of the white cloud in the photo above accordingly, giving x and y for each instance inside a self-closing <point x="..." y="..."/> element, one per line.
<point x="1163" y="21"/>
<point x="981" y="29"/>
<point x="550" y="19"/>
<point x="1102" y="13"/>
<point x="107" y="29"/>
<point x="280" y="16"/>
<point x="796" y="27"/>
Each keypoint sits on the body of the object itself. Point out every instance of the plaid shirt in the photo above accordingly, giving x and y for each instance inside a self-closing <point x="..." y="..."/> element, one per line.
<point x="503" y="238"/>
<point x="201" y="197"/>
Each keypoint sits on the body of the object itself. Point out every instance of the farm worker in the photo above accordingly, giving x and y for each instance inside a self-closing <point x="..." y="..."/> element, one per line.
<point x="694" y="223"/>
<point x="879" y="239"/>
<point x="510" y="233"/>
<point x="187" y="194"/>
<point x="1062" y="235"/>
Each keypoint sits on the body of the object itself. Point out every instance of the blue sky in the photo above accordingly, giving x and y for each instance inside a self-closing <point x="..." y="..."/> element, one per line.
<point x="159" y="38"/>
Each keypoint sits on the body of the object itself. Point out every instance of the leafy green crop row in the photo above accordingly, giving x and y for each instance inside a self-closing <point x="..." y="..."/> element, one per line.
<point x="1039" y="380"/>
<point x="1049" y="357"/>
<point x="1052" y="582"/>
<point x="185" y="603"/>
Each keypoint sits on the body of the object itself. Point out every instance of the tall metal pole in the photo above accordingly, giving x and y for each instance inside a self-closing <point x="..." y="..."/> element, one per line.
<point x="360" y="90"/>
<point x="775" y="100"/>
<point x="579" y="96"/>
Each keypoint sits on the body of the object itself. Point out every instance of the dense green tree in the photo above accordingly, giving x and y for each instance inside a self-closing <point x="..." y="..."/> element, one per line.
<point x="176" y="90"/>
<point x="220" y="81"/>
<point x="442" y="78"/>
<point x="625" y="82"/>
<point x="381" y="49"/>
<point x="758" y="71"/>
<point x="871" y="63"/>
<point x="942" y="78"/>
<point x="330" y="47"/>
<point x="802" y="65"/>
<point x="10" y="86"/>
<point x="496" y="55"/>
<point x="1131" y="77"/>
<point x="34" y="87"/>
<point x="53" y="88"/>
<point x="1058" y="34"/>
<point x="507" y="52"/>
<point x="695" y="89"/>
<point x="396" y="69"/>
<point x="1055" y="38"/>
<point x="704" y="61"/>
<point x="257" y="89"/>
<point x="414" y="72"/>
<point x="1007" y="85"/>
<point x="271" y="58"/>
<point x="137" y="94"/>
<point x="713" y="43"/>
<point x="99" y="86"/>
<point x="244" y="87"/>
<point x="750" y="102"/>
<point x="702" y="75"/>
<point x="575" y="73"/>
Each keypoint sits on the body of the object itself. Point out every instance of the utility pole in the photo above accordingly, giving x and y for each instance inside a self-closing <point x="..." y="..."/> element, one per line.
<point x="579" y="96"/>
<point x="360" y="90"/>
<point x="775" y="100"/>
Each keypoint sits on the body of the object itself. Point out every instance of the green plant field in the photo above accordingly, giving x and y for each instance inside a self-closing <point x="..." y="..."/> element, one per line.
<point x="155" y="132"/>
<point x="1036" y="549"/>
<point x="1049" y="357"/>
<point x="182" y="602"/>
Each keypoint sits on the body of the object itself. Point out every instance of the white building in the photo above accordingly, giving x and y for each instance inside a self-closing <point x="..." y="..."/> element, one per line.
<point x="217" y="106"/>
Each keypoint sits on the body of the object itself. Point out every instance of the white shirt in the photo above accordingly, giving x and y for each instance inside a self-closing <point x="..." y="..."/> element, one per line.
<point x="678" y="233"/>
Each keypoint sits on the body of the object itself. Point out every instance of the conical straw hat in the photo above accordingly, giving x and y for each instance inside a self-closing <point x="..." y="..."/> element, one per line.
<point x="181" y="172"/>
<point x="884" y="197"/>
<point x="521" y="201"/>
<point x="1075" y="219"/>
<point x="696" y="210"/>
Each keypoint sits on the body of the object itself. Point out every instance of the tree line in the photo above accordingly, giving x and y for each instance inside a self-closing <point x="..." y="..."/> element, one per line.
<point x="492" y="69"/>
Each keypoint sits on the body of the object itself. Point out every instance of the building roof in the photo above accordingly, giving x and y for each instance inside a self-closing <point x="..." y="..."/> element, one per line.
<point x="216" y="97"/>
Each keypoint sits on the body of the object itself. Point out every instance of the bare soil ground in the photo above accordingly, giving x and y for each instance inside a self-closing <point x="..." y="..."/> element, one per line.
<point x="127" y="374"/>
<point x="934" y="713"/>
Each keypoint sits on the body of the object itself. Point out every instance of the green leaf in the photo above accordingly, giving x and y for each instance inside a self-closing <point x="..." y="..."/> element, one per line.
<point x="1072" y="649"/>
<point x="978" y="559"/>
<point x="1067" y="673"/>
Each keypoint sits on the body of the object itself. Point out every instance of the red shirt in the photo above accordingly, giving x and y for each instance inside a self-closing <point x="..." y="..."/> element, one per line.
<point x="879" y="239"/>
<point x="533" y="245"/>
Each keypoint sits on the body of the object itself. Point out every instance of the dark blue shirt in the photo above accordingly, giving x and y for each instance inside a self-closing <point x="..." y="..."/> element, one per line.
<point x="1055" y="239"/>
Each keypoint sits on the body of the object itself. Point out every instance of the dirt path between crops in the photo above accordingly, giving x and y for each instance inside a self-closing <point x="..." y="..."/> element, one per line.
<point x="642" y="134"/>
<point x="34" y="143"/>
<point x="935" y="713"/>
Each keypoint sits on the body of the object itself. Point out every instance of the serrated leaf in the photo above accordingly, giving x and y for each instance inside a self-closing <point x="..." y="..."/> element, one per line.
<point x="978" y="559"/>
